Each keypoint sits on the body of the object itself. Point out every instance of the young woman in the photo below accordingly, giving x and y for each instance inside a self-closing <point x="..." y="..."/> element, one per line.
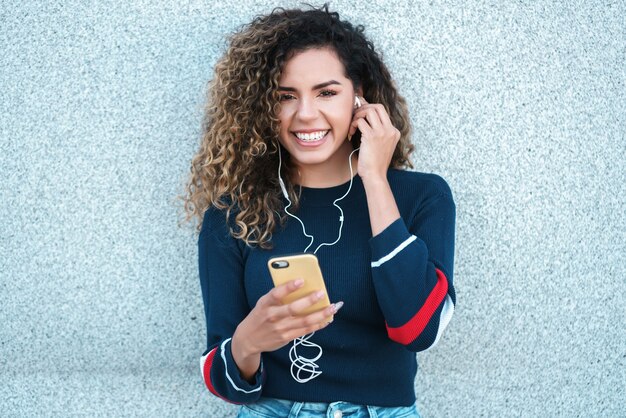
<point x="305" y="138"/>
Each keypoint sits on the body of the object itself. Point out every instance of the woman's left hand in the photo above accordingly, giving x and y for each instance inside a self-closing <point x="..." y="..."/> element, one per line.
<point x="378" y="139"/>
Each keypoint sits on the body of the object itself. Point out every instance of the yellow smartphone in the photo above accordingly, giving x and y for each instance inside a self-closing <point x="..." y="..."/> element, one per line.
<point x="300" y="266"/>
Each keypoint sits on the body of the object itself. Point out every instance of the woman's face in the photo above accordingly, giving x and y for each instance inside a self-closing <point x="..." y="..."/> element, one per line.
<point x="316" y="105"/>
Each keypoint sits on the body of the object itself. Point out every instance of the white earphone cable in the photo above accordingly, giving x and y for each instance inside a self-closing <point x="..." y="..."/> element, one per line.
<point x="300" y="364"/>
<point x="339" y="207"/>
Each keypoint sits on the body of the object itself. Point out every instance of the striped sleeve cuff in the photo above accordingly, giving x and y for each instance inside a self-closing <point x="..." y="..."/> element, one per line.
<point x="221" y="358"/>
<point x="412" y="291"/>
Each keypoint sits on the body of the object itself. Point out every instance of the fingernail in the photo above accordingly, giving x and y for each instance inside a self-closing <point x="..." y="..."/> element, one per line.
<point x="319" y="294"/>
<point x="337" y="306"/>
<point x="298" y="282"/>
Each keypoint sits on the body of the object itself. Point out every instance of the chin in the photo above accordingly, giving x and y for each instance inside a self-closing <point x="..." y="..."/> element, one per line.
<point x="309" y="158"/>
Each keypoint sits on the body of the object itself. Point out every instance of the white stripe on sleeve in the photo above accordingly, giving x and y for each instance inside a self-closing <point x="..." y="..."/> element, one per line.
<point x="444" y="319"/>
<point x="394" y="252"/>
<point x="228" y="376"/>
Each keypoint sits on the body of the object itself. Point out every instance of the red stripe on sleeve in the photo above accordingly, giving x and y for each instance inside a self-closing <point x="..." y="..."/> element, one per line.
<point x="206" y="374"/>
<point x="408" y="332"/>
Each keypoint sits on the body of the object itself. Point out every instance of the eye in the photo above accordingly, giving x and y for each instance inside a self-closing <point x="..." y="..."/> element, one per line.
<point x="328" y="93"/>
<point x="286" y="96"/>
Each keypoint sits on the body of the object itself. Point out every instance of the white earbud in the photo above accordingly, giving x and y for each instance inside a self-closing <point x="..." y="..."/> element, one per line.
<point x="357" y="102"/>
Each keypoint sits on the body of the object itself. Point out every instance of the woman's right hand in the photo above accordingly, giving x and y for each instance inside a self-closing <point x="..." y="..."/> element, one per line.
<point x="272" y="325"/>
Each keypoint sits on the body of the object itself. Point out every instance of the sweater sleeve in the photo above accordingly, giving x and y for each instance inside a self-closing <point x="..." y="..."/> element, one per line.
<point x="225" y="306"/>
<point x="412" y="268"/>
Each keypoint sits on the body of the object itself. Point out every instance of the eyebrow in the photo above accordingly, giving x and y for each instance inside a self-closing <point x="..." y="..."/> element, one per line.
<point x="315" y="87"/>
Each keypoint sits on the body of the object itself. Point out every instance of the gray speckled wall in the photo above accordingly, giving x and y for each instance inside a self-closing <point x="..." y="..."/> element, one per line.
<point x="520" y="105"/>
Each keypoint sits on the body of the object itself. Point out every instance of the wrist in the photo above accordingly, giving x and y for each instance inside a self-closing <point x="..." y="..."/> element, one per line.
<point x="374" y="180"/>
<point x="247" y="360"/>
<point x="239" y="345"/>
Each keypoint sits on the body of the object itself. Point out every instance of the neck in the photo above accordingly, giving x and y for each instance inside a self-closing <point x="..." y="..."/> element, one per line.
<point x="331" y="173"/>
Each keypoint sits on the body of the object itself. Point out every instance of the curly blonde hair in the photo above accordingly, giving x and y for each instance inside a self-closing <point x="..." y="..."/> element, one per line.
<point x="235" y="169"/>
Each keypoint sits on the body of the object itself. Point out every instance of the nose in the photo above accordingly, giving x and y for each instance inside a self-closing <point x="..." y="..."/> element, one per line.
<point x="307" y="110"/>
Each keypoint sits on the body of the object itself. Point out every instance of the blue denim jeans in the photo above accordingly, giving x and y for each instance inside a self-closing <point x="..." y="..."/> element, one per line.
<point x="279" y="408"/>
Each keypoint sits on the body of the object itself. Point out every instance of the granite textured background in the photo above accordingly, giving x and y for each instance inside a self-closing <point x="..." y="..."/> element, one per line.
<point x="520" y="105"/>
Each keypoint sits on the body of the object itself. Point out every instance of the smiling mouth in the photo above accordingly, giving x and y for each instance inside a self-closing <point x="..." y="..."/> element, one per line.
<point x="312" y="136"/>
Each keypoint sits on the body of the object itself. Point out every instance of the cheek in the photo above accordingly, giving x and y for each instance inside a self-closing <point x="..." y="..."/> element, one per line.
<point x="284" y="116"/>
<point x="346" y="112"/>
<point x="343" y="117"/>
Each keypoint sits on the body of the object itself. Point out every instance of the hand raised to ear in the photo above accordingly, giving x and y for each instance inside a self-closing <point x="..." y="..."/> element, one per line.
<point x="379" y="139"/>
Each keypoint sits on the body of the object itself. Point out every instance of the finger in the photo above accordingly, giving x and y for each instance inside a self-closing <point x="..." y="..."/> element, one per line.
<point x="323" y="316"/>
<point x="365" y="128"/>
<point x="366" y="115"/>
<point x="383" y="115"/>
<point x="363" y="110"/>
<point x="295" y="327"/>
<point x="353" y="124"/>
<point x="296" y="307"/>
<point x="277" y="294"/>
<point x="319" y="319"/>
<point x="371" y="114"/>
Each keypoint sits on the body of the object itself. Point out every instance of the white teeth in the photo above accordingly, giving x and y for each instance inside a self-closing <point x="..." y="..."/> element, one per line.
<point x="314" y="136"/>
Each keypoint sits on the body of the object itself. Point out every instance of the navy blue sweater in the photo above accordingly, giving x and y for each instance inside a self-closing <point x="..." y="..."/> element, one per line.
<point x="397" y="289"/>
